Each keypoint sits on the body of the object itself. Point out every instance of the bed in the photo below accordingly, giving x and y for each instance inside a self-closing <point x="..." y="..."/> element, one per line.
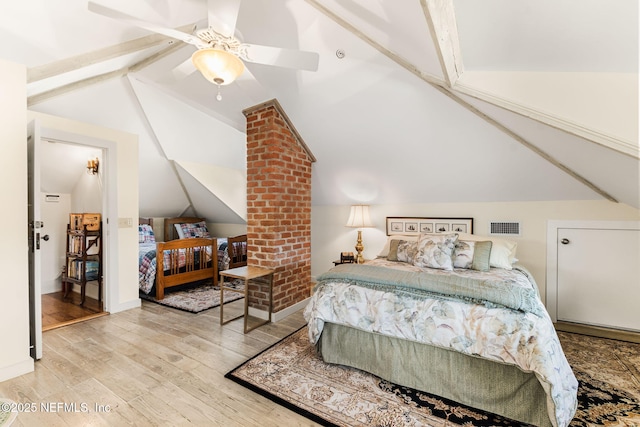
<point x="420" y="316"/>
<point x="190" y="254"/>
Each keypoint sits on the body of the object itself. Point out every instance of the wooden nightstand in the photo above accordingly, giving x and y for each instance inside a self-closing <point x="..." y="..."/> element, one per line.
<point x="245" y="273"/>
<point x="338" y="262"/>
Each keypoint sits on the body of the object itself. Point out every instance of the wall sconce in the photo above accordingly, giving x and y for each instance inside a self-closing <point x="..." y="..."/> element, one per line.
<point x="92" y="166"/>
<point x="359" y="218"/>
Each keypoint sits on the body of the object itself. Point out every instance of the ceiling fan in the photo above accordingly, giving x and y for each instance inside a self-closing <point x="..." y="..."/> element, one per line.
<point x="219" y="55"/>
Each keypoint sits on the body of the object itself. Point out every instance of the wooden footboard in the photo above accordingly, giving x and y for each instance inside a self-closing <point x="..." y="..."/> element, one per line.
<point x="189" y="260"/>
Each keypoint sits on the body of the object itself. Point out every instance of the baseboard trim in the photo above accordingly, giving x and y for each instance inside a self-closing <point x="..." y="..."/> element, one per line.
<point x="17" y="369"/>
<point x="598" y="331"/>
<point x="128" y="305"/>
<point x="276" y="317"/>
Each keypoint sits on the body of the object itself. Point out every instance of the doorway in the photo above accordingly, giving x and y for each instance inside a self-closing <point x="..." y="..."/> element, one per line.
<point x="68" y="186"/>
<point x="38" y="164"/>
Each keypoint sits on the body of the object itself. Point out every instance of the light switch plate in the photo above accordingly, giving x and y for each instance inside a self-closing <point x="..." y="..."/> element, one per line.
<point x="125" y="222"/>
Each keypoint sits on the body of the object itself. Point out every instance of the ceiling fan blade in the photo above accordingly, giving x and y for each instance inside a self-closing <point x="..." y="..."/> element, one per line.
<point x="288" y="58"/>
<point x="252" y="87"/>
<point x="183" y="70"/>
<point x="223" y="15"/>
<point x="120" y="16"/>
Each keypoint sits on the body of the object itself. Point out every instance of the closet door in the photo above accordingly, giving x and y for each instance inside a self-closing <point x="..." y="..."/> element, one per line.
<point x="598" y="277"/>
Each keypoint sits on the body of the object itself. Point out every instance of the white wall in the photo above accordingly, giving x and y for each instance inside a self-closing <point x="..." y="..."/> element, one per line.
<point x="14" y="262"/>
<point x="121" y="253"/>
<point x="329" y="236"/>
<point x="87" y="193"/>
<point x="55" y="216"/>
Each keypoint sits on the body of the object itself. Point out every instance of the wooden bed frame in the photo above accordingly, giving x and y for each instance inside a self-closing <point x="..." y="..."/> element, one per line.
<point x="237" y="249"/>
<point x="196" y="267"/>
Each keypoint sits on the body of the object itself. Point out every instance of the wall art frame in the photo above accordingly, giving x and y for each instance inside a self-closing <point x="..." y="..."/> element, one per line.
<point x="416" y="225"/>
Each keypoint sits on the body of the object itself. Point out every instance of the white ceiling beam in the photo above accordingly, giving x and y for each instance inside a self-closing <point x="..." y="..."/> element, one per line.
<point x="73" y="63"/>
<point x="618" y="144"/>
<point x="572" y="128"/>
<point x="443" y="87"/>
<point x="61" y="90"/>
<point x="441" y="19"/>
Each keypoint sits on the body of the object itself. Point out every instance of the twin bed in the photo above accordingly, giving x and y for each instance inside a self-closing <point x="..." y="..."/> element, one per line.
<point x="190" y="254"/>
<point x="449" y="313"/>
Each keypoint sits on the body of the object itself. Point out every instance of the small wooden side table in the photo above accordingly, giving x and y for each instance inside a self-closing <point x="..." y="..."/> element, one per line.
<point x="245" y="273"/>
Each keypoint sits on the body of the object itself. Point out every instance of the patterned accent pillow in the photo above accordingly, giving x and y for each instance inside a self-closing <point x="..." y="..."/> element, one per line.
<point x="402" y="250"/>
<point x="503" y="252"/>
<point x="435" y="251"/>
<point x="145" y="234"/>
<point x="463" y="254"/>
<point x="197" y="229"/>
<point x="472" y="255"/>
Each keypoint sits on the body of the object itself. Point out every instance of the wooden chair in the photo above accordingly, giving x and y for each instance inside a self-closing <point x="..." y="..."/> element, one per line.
<point x="237" y="249"/>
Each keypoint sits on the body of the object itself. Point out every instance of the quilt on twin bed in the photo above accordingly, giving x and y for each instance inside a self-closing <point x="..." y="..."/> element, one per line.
<point x="147" y="262"/>
<point x="497" y="315"/>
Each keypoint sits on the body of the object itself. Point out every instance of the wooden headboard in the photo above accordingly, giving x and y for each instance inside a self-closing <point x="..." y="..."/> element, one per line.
<point x="148" y="221"/>
<point x="170" y="232"/>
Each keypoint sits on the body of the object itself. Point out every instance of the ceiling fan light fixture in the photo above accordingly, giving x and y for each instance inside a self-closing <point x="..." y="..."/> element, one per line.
<point x="217" y="65"/>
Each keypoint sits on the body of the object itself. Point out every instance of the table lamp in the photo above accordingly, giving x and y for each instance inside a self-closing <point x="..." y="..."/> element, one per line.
<point x="359" y="218"/>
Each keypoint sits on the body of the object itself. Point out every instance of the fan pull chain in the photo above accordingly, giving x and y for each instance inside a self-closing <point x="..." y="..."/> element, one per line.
<point x="219" y="95"/>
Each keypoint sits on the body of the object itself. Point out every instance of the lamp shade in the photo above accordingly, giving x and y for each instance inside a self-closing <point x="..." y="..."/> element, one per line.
<point x="217" y="66"/>
<point x="359" y="217"/>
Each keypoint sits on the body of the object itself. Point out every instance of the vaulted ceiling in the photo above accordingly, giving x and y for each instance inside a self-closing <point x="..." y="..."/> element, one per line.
<point x="413" y="101"/>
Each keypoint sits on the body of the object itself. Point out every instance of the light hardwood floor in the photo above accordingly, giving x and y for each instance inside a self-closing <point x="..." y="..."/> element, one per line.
<point x="150" y="366"/>
<point x="59" y="311"/>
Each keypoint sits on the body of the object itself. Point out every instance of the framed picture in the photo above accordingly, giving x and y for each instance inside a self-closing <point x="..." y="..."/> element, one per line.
<point x="397" y="227"/>
<point x="426" y="227"/>
<point x="411" y="227"/>
<point x="460" y="227"/>
<point x="442" y="227"/>
<point x="417" y="225"/>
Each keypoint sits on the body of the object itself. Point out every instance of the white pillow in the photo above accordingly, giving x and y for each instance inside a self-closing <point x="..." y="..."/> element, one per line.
<point x="179" y="231"/>
<point x="408" y="238"/>
<point x="503" y="252"/>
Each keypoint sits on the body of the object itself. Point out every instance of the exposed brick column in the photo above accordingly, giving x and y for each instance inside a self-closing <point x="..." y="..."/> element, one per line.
<point x="278" y="205"/>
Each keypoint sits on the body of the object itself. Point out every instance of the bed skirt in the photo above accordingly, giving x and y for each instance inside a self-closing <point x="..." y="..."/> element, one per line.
<point x="494" y="387"/>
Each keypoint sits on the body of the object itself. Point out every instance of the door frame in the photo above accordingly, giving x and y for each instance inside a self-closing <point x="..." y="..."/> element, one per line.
<point x="34" y="228"/>
<point x="108" y="166"/>
<point x="551" y="290"/>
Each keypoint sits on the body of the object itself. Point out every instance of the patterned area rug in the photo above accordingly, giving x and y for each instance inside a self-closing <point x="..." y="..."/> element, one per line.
<point x="195" y="298"/>
<point x="293" y="375"/>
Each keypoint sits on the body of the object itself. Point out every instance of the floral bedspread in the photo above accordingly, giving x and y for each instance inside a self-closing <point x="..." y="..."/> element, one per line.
<point x="501" y="334"/>
<point x="147" y="262"/>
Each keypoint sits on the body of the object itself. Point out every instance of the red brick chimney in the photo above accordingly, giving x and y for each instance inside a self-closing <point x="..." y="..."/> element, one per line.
<point x="278" y="205"/>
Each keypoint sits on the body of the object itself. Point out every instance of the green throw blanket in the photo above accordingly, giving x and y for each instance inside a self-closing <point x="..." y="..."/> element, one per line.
<point x="489" y="292"/>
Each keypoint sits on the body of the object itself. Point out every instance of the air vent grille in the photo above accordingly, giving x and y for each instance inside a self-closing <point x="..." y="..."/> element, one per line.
<point x="501" y="227"/>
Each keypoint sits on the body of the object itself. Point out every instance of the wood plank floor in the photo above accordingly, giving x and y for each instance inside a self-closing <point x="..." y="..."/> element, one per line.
<point x="59" y="311"/>
<point x="150" y="366"/>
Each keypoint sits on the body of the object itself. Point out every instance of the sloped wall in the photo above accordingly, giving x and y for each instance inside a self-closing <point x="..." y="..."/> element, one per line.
<point x="278" y="204"/>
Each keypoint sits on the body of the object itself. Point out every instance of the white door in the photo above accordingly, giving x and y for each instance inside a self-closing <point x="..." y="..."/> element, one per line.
<point x="598" y="273"/>
<point x="35" y="240"/>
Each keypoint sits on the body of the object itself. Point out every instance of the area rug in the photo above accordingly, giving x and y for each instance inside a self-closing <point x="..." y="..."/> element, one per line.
<point x="293" y="375"/>
<point x="196" y="298"/>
